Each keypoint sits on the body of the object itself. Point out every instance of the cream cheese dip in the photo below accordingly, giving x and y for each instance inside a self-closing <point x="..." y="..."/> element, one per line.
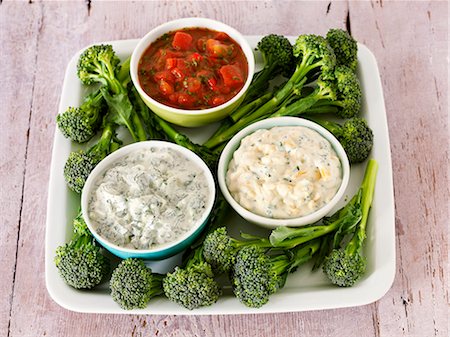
<point x="148" y="198"/>
<point x="284" y="172"/>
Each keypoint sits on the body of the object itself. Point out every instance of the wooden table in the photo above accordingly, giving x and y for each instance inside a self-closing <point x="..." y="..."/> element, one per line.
<point x="410" y="41"/>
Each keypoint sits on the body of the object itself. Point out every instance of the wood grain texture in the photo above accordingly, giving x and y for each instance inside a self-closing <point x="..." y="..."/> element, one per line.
<point x="40" y="38"/>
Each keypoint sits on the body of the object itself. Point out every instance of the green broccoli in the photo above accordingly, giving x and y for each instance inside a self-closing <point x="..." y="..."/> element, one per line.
<point x="313" y="54"/>
<point x="211" y="158"/>
<point x="80" y="262"/>
<point x="256" y="275"/>
<point x="192" y="286"/>
<point x="278" y="58"/>
<point x="79" y="164"/>
<point x="355" y="136"/>
<point x="99" y="64"/>
<point x="346" y="265"/>
<point x="344" y="46"/>
<point x="80" y="124"/>
<point x="337" y="92"/>
<point x="133" y="284"/>
<point x="220" y="250"/>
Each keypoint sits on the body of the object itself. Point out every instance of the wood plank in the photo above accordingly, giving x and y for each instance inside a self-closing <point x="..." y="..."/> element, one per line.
<point x="18" y="47"/>
<point x="413" y="63"/>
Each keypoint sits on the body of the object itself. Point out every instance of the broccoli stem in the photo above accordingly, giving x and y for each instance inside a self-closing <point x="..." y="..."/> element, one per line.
<point x="246" y="109"/>
<point x="343" y="220"/>
<point x="368" y="188"/>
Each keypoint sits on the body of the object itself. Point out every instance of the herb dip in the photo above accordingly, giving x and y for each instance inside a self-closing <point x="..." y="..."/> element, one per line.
<point x="148" y="198"/>
<point x="284" y="172"/>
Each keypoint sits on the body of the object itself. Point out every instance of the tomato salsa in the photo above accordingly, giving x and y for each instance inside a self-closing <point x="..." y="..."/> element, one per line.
<point x="193" y="68"/>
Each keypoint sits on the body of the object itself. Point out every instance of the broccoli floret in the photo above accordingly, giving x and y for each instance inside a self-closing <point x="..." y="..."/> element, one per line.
<point x="192" y="286"/>
<point x="355" y="135"/>
<point x="80" y="124"/>
<point x="346" y="265"/>
<point x="257" y="275"/>
<point x="313" y="54"/>
<point x="80" y="262"/>
<point x="278" y="58"/>
<point x="344" y="46"/>
<point x="220" y="250"/>
<point x="81" y="163"/>
<point x="133" y="284"/>
<point x="99" y="64"/>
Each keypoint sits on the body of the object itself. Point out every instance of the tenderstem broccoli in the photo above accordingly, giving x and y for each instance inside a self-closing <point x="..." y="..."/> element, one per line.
<point x="192" y="286"/>
<point x="99" y="64"/>
<point x="256" y="275"/>
<point x="220" y="250"/>
<point x="355" y="136"/>
<point x="339" y="90"/>
<point x="80" y="262"/>
<point x="344" y="46"/>
<point x="346" y="265"/>
<point x="278" y="59"/>
<point x="133" y="284"/>
<point x="80" y="124"/>
<point x="79" y="164"/>
<point x="313" y="54"/>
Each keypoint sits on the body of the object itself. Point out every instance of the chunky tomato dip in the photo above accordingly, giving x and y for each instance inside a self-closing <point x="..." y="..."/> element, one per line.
<point x="193" y="68"/>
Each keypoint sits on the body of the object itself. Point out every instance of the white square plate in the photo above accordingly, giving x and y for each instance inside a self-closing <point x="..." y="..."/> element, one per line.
<point x="304" y="290"/>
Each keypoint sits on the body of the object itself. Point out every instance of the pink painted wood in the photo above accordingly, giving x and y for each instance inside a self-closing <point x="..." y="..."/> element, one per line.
<point x="410" y="41"/>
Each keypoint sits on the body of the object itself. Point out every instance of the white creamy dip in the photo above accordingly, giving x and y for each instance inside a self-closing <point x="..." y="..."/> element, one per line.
<point x="284" y="172"/>
<point x="148" y="198"/>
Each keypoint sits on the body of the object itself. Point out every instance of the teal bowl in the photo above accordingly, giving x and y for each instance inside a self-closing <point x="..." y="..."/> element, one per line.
<point x="162" y="251"/>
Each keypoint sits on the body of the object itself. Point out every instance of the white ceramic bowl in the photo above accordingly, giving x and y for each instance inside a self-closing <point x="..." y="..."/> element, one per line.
<point x="233" y="144"/>
<point x="191" y="118"/>
<point x="168" y="249"/>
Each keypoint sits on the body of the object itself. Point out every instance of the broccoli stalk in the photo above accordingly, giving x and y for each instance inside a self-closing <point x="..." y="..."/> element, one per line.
<point x="346" y="265"/>
<point x="80" y="164"/>
<point x="80" y="124"/>
<point x="339" y="90"/>
<point x="313" y="54"/>
<point x="206" y="154"/>
<point x="255" y="275"/>
<point x="343" y="221"/>
<point x="355" y="136"/>
<point x="80" y="262"/>
<point x="220" y="250"/>
<point x="99" y="64"/>
<point x="133" y="284"/>
<point x="192" y="286"/>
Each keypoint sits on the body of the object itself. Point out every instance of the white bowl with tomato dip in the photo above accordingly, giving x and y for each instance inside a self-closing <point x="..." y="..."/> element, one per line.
<point x="192" y="71"/>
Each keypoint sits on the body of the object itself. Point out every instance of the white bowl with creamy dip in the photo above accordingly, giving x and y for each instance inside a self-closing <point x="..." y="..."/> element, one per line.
<point x="283" y="171"/>
<point x="148" y="200"/>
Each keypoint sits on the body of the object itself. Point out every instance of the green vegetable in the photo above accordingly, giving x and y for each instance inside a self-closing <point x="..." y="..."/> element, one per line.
<point x="133" y="284"/>
<point x="337" y="92"/>
<point x="192" y="286"/>
<point x="80" y="124"/>
<point x="278" y="58"/>
<point x="257" y="275"/>
<point x="345" y="48"/>
<point x="220" y="250"/>
<point x="355" y="135"/>
<point x="80" y="164"/>
<point x="80" y="262"/>
<point x="99" y="64"/>
<point x="346" y="265"/>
